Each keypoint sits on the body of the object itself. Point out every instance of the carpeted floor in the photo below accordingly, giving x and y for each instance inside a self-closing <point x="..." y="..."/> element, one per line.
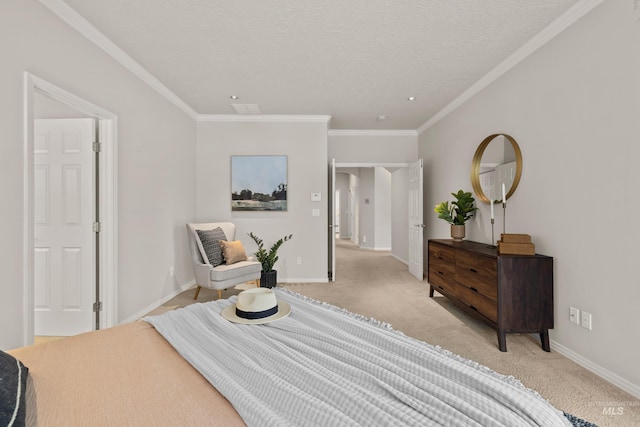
<point x="377" y="285"/>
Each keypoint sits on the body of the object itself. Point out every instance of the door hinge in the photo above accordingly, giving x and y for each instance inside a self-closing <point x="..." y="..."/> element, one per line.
<point x="97" y="306"/>
<point x="97" y="227"/>
<point x="97" y="147"/>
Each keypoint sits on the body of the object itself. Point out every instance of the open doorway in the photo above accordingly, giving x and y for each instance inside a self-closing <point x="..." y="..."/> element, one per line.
<point x="375" y="207"/>
<point x="80" y="199"/>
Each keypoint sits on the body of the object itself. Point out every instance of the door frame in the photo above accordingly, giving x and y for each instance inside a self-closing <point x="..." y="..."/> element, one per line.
<point x="108" y="209"/>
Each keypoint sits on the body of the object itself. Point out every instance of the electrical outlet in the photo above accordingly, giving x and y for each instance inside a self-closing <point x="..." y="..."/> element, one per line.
<point x="574" y="315"/>
<point x="171" y="271"/>
<point x="299" y="260"/>
<point x="586" y="320"/>
<point x="364" y="239"/>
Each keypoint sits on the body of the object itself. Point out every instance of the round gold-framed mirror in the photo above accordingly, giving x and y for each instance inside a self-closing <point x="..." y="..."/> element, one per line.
<point x="497" y="160"/>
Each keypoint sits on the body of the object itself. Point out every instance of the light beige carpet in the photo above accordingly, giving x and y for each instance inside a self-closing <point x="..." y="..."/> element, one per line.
<point x="377" y="285"/>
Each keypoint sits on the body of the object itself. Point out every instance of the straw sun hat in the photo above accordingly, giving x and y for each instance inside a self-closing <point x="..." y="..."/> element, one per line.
<point x="256" y="306"/>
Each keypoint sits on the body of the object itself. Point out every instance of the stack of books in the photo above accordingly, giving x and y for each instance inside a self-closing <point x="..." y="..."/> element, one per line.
<point x="516" y="244"/>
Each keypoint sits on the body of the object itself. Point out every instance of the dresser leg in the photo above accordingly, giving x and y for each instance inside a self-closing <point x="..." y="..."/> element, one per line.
<point x="430" y="291"/>
<point x="544" y="339"/>
<point x="502" y="340"/>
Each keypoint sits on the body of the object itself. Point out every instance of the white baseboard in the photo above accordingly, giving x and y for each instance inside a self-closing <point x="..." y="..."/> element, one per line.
<point x="606" y="374"/>
<point x="405" y="262"/>
<point x="158" y="303"/>
<point x="373" y="249"/>
<point x="304" y="280"/>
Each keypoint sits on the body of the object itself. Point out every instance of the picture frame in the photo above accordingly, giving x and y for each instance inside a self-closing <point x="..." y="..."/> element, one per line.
<point x="259" y="183"/>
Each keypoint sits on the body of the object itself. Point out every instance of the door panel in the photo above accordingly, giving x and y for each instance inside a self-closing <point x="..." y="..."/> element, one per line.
<point x="416" y="227"/>
<point x="64" y="255"/>
<point x="332" y="220"/>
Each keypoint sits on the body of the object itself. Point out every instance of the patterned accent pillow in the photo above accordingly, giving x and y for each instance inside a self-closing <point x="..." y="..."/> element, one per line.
<point x="13" y="382"/>
<point x="210" y="246"/>
<point x="233" y="251"/>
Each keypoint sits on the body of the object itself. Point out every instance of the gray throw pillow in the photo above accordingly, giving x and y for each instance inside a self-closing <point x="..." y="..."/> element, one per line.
<point x="13" y="382"/>
<point x="211" y="245"/>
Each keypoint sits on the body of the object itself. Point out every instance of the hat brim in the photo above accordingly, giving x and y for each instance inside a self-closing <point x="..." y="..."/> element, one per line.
<point x="229" y="313"/>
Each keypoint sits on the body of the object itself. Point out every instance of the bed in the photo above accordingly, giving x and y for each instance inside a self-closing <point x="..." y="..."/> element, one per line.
<point x="319" y="366"/>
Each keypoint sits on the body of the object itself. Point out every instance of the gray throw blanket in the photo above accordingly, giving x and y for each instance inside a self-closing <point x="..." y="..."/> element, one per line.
<point x="324" y="366"/>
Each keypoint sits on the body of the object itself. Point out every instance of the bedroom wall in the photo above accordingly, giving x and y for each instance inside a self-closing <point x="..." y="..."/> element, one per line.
<point x="156" y="154"/>
<point x="305" y="145"/>
<point x="574" y="108"/>
<point x="373" y="146"/>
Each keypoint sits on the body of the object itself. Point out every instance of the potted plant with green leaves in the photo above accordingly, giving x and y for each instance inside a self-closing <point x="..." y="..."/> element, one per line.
<point x="268" y="259"/>
<point x="457" y="213"/>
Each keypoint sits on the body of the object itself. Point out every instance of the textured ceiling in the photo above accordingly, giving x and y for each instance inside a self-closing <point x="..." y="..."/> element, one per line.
<point x="351" y="59"/>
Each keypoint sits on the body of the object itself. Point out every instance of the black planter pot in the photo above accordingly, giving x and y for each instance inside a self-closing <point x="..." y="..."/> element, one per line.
<point x="269" y="279"/>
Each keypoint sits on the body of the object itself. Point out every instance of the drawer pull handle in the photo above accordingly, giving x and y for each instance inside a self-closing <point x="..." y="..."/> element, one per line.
<point x="440" y="287"/>
<point x="473" y="289"/>
<point x="439" y="257"/>
<point x="473" y="308"/>
<point x="473" y="270"/>
<point x="440" y="272"/>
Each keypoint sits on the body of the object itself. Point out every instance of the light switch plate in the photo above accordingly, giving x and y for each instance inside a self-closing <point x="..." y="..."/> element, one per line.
<point x="315" y="212"/>
<point x="316" y="197"/>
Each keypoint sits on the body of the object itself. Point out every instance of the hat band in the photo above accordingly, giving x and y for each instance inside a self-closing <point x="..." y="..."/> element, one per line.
<point x="256" y="314"/>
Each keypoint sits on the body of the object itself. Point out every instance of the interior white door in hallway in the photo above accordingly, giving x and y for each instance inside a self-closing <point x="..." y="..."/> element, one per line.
<point x="416" y="226"/>
<point x="64" y="240"/>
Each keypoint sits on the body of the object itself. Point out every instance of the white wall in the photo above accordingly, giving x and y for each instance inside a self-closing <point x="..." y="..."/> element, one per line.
<point x="305" y="145"/>
<point x="156" y="152"/>
<point x="373" y="147"/>
<point x="382" y="209"/>
<point x="367" y="208"/>
<point x="574" y="108"/>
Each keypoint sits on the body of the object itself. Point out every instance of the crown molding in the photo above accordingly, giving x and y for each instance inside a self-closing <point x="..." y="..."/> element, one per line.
<point x="272" y="118"/>
<point x="71" y="17"/>
<point x="556" y="27"/>
<point x="373" y="132"/>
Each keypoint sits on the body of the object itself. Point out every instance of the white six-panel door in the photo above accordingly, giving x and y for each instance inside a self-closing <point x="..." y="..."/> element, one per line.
<point x="64" y="256"/>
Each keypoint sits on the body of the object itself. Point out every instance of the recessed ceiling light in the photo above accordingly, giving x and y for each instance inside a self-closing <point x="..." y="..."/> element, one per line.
<point x="411" y="98"/>
<point x="233" y="97"/>
<point x="381" y="117"/>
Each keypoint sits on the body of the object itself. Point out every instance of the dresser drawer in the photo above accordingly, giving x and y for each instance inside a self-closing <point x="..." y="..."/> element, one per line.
<point x="442" y="280"/>
<point x="485" y="306"/>
<point x="441" y="254"/>
<point x="478" y="273"/>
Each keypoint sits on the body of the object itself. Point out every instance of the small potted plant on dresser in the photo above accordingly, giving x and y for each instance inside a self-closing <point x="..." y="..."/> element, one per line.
<point x="457" y="213"/>
<point x="268" y="276"/>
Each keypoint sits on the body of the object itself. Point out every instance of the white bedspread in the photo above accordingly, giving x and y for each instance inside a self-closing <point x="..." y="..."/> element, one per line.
<point x="327" y="367"/>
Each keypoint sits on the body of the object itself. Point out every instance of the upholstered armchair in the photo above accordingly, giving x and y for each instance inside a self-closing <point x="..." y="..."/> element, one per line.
<point x="219" y="273"/>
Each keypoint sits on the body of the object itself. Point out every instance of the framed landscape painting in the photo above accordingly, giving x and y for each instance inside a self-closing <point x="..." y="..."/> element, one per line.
<point x="258" y="183"/>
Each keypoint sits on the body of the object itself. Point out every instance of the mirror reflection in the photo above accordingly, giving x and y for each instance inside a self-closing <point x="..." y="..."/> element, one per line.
<point x="497" y="161"/>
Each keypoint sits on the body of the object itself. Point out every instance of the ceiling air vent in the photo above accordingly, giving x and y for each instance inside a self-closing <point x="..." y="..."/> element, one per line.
<point x="246" y="108"/>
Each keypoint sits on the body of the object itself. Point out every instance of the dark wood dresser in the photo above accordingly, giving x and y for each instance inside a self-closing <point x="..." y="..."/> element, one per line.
<point x="512" y="293"/>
